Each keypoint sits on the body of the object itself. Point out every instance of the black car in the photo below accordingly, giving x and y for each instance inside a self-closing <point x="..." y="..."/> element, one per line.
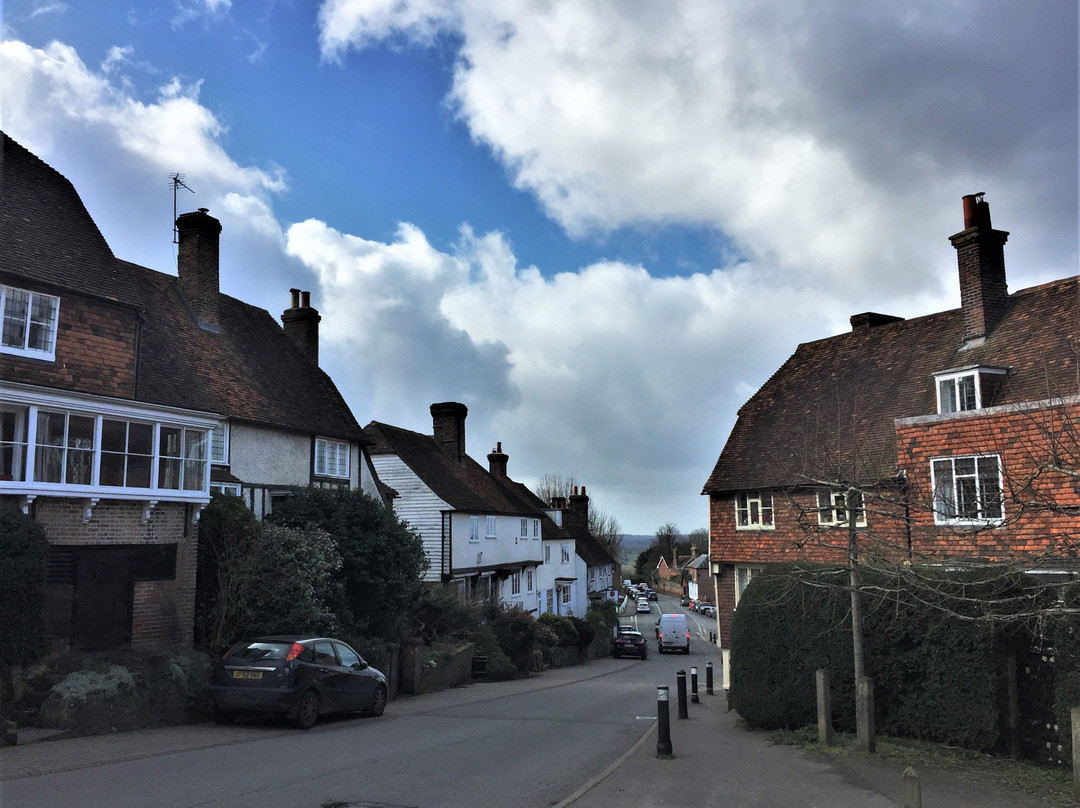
<point x="651" y="595"/>
<point x="298" y="677"/>
<point x="629" y="643"/>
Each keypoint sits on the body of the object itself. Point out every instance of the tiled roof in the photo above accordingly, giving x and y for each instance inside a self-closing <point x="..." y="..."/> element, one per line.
<point x="250" y="371"/>
<point x="829" y="410"/>
<point x="465" y="486"/>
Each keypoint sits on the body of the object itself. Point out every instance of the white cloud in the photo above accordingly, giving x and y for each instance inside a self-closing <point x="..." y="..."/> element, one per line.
<point x="207" y="10"/>
<point x="777" y="122"/>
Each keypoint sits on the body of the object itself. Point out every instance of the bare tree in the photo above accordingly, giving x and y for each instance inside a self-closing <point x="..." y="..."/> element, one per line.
<point x="602" y="525"/>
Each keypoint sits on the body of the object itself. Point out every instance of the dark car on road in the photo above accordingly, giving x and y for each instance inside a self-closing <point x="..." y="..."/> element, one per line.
<point x="298" y="677"/>
<point x="630" y="643"/>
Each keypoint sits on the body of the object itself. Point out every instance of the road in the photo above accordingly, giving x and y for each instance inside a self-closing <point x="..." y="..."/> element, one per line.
<point x="523" y="748"/>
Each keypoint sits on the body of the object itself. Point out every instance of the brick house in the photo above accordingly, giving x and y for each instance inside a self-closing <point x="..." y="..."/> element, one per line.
<point x="127" y="395"/>
<point x="955" y="433"/>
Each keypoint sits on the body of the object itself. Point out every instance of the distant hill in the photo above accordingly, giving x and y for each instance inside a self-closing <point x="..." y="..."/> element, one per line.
<point x="634" y="543"/>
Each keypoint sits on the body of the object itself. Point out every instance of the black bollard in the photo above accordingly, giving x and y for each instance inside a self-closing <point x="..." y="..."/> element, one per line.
<point x="708" y="678"/>
<point x="663" y="722"/>
<point x="693" y="685"/>
<point x="680" y="680"/>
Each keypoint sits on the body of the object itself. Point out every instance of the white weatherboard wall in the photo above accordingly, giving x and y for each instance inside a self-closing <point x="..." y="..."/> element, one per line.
<point x="418" y="505"/>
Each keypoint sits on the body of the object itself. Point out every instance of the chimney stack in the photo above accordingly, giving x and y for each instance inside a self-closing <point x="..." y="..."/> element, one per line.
<point x="301" y="324"/>
<point x="197" y="265"/>
<point x="980" y="255"/>
<point x="577" y="519"/>
<point x="497" y="461"/>
<point x="448" y="420"/>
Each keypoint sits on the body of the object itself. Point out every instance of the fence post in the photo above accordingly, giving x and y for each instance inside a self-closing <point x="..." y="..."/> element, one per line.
<point x="864" y="714"/>
<point x="912" y="789"/>
<point x="824" y="707"/>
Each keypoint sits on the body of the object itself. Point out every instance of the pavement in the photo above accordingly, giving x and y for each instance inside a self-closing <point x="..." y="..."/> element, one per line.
<point x="714" y="760"/>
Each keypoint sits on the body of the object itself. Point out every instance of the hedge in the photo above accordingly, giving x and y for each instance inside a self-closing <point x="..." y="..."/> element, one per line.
<point x="936" y="676"/>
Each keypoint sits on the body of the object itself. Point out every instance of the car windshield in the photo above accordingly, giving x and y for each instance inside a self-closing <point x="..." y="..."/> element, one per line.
<point x="261" y="651"/>
<point x="630" y="636"/>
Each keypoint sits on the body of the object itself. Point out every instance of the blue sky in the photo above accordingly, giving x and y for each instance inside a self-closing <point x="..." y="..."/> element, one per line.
<point x="601" y="225"/>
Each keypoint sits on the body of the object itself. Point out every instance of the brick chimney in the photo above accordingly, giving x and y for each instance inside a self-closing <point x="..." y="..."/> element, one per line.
<point x="497" y="461"/>
<point x="980" y="255"/>
<point x="577" y="517"/>
<point x="197" y="264"/>
<point x="301" y="324"/>
<point x="448" y="420"/>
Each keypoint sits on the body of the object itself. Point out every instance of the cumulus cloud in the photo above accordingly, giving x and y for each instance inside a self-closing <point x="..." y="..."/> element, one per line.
<point x="809" y="135"/>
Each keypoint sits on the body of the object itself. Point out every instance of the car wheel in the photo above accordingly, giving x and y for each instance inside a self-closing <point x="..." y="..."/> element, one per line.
<point x="308" y="712"/>
<point x="378" y="701"/>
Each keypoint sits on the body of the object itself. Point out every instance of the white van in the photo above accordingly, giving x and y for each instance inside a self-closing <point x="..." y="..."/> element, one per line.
<point x="673" y="633"/>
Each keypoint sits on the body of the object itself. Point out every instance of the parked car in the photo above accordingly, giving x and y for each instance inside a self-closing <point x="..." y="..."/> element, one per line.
<point x="630" y="643"/>
<point x="701" y="605"/>
<point x="709" y="610"/>
<point x="643" y="605"/>
<point x="651" y="595"/>
<point x="684" y="601"/>
<point x="298" y="677"/>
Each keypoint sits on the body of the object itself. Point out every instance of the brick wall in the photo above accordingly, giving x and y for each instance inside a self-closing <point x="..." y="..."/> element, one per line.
<point x="95" y="351"/>
<point x="1039" y="502"/>
<point x="162" y="610"/>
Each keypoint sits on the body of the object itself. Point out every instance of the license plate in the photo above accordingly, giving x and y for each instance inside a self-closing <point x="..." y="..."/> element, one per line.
<point x="247" y="674"/>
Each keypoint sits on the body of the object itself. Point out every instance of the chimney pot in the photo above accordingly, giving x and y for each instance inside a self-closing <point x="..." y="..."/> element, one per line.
<point x="305" y="300"/>
<point x="294" y="296"/>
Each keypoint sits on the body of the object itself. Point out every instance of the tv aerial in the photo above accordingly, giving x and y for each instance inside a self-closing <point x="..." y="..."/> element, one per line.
<point x="177" y="181"/>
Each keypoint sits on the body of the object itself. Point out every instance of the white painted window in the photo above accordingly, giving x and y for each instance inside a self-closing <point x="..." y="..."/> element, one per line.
<point x="80" y="450"/>
<point x="219" y="444"/>
<point x="529" y="580"/>
<point x="225" y="488"/>
<point x="29" y="323"/>
<point x="490" y="527"/>
<point x="967" y="489"/>
<point x="331" y="458"/>
<point x="536" y="528"/>
<point x="474" y="528"/>
<point x="743" y="576"/>
<point x="567" y="594"/>
<point x="525" y="528"/>
<point x="547" y="553"/>
<point x="12" y="443"/>
<point x="832" y="508"/>
<point x="753" y="511"/>
<point x="566" y="553"/>
<point x="515" y="583"/>
<point x="958" y="393"/>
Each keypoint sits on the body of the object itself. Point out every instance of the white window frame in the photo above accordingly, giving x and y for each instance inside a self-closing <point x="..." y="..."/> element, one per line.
<point x="219" y="444"/>
<point x="754" y="511"/>
<point x="536" y="528"/>
<point x="29" y="324"/>
<point x="547" y="553"/>
<point x="332" y="458"/>
<point x="944" y="478"/>
<point x="474" y="528"/>
<point x="491" y="526"/>
<point x="565" y="553"/>
<point x="567" y="597"/>
<point x="744" y="574"/>
<point x="225" y="488"/>
<point x="27" y="402"/>
<point x="529" y="580"/>
<point x="832" y="509"/>
<point x="958" y="392"/>
<point x="524" y="528"/>
<point x="515" y="583"/>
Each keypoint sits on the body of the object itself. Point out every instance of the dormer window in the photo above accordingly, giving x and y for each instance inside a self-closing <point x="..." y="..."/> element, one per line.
<point x="29" y="323"/>
<point x="967" y="389"/>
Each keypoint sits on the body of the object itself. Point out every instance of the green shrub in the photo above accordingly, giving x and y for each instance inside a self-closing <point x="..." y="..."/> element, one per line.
<point x="515" y="631"/>
<point x="936" y="675"/>
<point x="24" y="553"/>
<point x="442" y="615"/>
<point x="585" y="632"/>
<point x="564" y="628"/>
